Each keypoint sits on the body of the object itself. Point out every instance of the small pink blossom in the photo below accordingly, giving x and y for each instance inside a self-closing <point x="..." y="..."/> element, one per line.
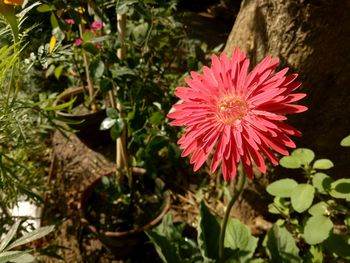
<point x="96" y="25"/>
<point x="78" y="41"/>
<point x="98" y="46"/>
<point x="233" y="114"/>
<point x="70" y="21"/>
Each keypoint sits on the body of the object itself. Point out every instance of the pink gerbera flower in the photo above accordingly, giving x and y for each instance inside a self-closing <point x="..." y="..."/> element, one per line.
<point x="236" y="115"/>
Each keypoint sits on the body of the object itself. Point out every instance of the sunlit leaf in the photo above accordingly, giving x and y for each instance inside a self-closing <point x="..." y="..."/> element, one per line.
<point x="282" y="187"/>
<point x="107" y="123"/>
<point x="341" y="188"/>
<point x="322" y="182"/>
<point x="302" y="197"/>
<point x="317" y="229"/>
<point x="290" y="162"/>
<point x="31" y="236"/>
<point x="321" y="208"/>
<point x="345" y="142"/>
<point x="323" y="164"/>
<point x="305" y="155"/>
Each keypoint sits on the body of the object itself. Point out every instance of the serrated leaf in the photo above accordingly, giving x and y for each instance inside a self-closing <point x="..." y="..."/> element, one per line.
<point x="239" y="242"/>
<point x="10" y="234"/>
<point x="282" y="187"/>
<point x="323" y="164"/>
<point x="341" y="188"/>
<point x="306" y="156"/>
<point x="208" y="233"/>
<point x="315" y="255"/>
<point x="345" y="142"/>
<point x="317" y="229"/>
<point x="281" y="246"/>
<point x="322" y="182"/>
<point x="31" y="236"/>
<point x="107" y="123"/>
<point x="302" y="197"/>
<point x="290" y="162"/>
<point x="321" y="208"/>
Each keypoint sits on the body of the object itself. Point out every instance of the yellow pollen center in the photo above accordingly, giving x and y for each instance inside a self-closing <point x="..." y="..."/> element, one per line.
<point x="230" y="109"/>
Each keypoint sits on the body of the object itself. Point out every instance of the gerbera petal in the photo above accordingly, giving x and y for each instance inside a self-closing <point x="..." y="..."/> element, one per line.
<point x="234" y="115"/>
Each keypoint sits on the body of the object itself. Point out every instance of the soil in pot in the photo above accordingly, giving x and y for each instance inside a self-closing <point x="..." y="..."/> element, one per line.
<point x="119" y="218"/>
<point x="81" y="119"/>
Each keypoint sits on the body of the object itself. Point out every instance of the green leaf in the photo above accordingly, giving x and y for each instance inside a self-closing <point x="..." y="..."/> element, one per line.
<point x="58" y="71"/>
<point x="282" y="187"/>
<point x="208" y="233"/>
<point x="290" y="162"/>
<point x="279" y="206"/>
<point x="281" y="246"/>
<point x="53" y="20"/>
<point x="321" y="208"/>
<point x="157" y="117"/>
<point x="347" y="221"/>
<point x="60" y="106"/>
<point x="31" y="236"/>
<point x="323" y="164"/>
<point x="16" y="257"/>
<point x="317" y="229"/>
<point x="305" y="155"/>
<point x="338" y="244"/>
<point x="117" y="128"/>
<point x="315" y="255"/>
<point x="45" y="8"/>
<point x="10" y="234"/>
<point x="322" y="182"/>
<point x="341" y="188"/>
<point x="97" y="68"/>
<point x="107" y="123"/>
<point x="89" y="47"/>
<point x="106" y="85"/>
<point x="239" y="242"/>
<point x="302" y="197"/>
<point x="165" y="249"/>
<point x="112" y="113"/>
<point x="345" y="142"/>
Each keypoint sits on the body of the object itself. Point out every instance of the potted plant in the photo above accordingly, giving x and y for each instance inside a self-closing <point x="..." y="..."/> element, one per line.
<point x="75" y="58"/>
<point x="120" y="206"/>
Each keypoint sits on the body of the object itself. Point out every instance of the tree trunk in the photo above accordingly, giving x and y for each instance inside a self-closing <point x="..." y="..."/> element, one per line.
<point x="312" y="38"/>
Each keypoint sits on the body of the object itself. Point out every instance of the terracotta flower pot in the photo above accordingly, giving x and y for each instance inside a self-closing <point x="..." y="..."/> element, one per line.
<point x="123" y="244"/>
<point x="87" y="124"/>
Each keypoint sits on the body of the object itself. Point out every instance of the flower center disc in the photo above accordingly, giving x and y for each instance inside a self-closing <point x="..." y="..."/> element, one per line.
<point x="230" y="109"/>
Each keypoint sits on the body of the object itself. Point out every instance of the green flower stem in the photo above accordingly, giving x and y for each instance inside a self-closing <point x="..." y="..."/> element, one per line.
<point x="237" y="192"/>
<point x="88" y="77"/>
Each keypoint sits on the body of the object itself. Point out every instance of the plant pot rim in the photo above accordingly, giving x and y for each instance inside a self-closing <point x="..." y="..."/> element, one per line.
<point x="110" y="234"/>
<point x="73" y="91"/>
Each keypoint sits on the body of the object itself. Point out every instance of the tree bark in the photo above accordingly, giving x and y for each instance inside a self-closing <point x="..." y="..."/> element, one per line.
<point x="312" y="38"/>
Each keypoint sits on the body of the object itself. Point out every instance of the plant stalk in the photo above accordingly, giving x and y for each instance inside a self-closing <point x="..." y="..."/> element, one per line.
<point x="88" y="77"/>
<point x="121" y="149"/>
<point x="237" y="192"/>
